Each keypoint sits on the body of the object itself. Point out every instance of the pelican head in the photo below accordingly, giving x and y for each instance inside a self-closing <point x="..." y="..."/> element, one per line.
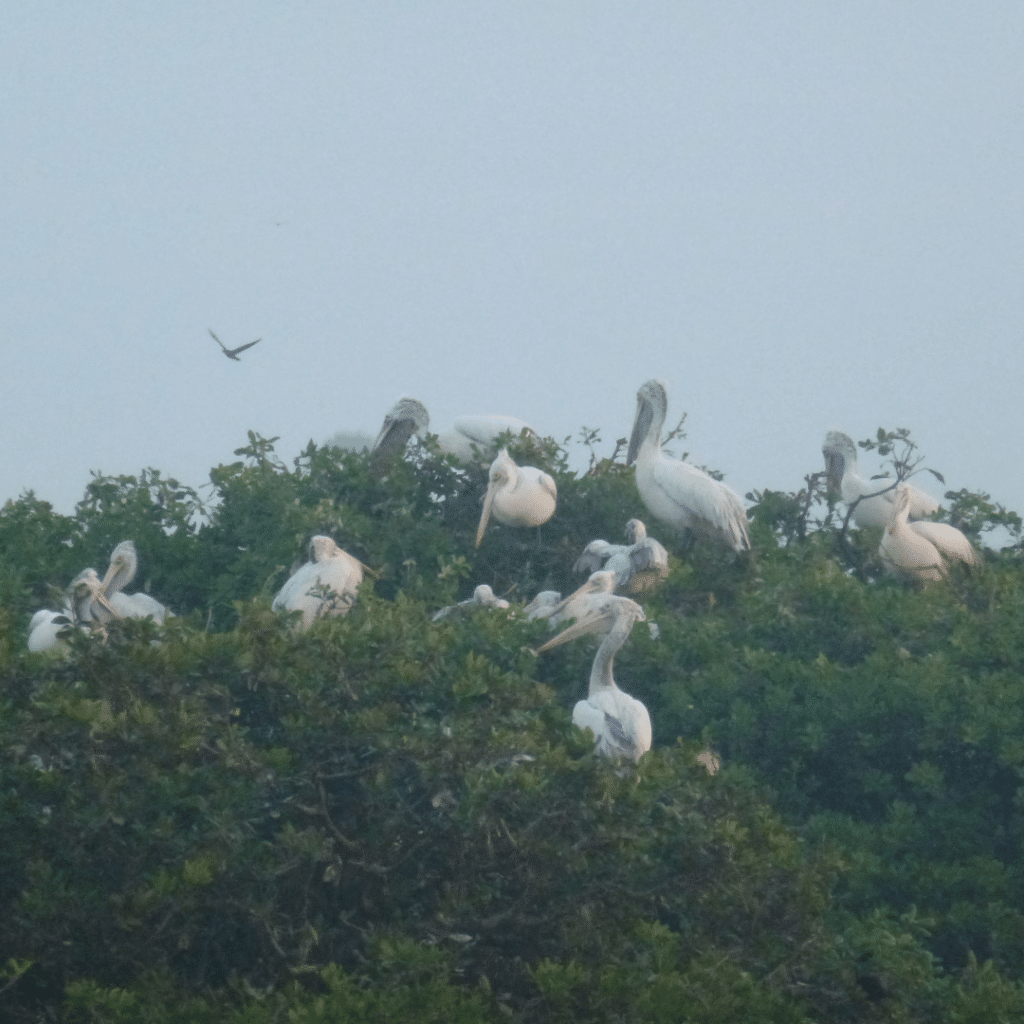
<point x="407" y="416"/>
<point x="85" y="590"/>
<point x="322" y="548"/>
<point x="651" y="407"/>
<point x="599" y="617"/>
<point x="636" y="532"/>
<point x="124" y="563"/>
<point x="840" y="455"/>
<point x="503" y="471"/>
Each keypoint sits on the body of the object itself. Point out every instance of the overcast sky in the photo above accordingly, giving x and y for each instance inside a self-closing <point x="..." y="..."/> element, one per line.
<point x="803" y="216"/>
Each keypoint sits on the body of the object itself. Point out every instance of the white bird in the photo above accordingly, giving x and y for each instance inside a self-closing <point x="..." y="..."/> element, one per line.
<point x="483" y="597"/>
<point x="409" y="416"/>
<point x="620" y="723"/>
<point x="583" y="600"/>
<point x="639" y="565"/>
<point x="325" y="585"/>
<point x="542" y="606"/>
<point x="47" y="629"/>
<point x="921" y="551"/>
<point x="124" y="564"/>
<point x="517" y="495"/>
<point x="877" y="498"/>
<point x="679" y="494"/>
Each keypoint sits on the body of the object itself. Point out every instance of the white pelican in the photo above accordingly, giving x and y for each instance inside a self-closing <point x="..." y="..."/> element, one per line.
<point x="483" y="597"/>
<point x="325" y="585"/>
<point x="517" y="495"/>
<point x="409" y="416"/>
<point x="921" y="551"/>
<point x="582" y="600"/>
<point x="639" y="565"/>
<point x="620" y="723"/>
<point x="877" y="498"/>
<point x="124" y="563"/>
<point x="46" y="629"/>
<point x="542" y="606"/>
<point x="679" y="494"/>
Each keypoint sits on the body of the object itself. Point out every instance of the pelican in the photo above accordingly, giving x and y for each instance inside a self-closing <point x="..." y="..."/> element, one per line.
<point x="124" y="563"/>
<point x="469" y="438"/>
<point x="620" y="723"/>
<point x="872" y="500"/>
<point x="517" y="495"/>
<point x="583" y="600"/>
<point x="47" y="629"/>
<point x="483" y="597"/>
<point x="542" y="606"/>
<point x="638" y="566"/>
<point x="233" y="353"/>
<point x="679" y="494"/>
<point x="325" y="585"/>
<point x="921" y="551"/>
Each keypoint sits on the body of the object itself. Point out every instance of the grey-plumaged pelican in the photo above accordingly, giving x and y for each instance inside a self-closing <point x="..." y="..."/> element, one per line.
<point x="639" y="566"/>
<point x="678" y="494"/>
<point x="543" y="605"/>
<point x="483" y="597"/>
<point x="124" y="564"/>
<point x="517" y="495"/>
<point x="325" y="585"/>
<point x="620" y="723"/>
<point x="872" y="500"/>
<point x="470" y="439"/>
<point x="921" y="551"/>
<point x="85" y="607"/>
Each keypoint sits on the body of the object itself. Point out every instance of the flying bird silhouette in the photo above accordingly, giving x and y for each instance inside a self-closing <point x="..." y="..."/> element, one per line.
<point x="232" y="353"/>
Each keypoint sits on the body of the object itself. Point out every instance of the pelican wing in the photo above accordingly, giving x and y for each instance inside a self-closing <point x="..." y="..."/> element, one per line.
<point x="951" y="543"/>
<point x="649" y="555"/>
<point x="712" y="506"/>
<point x="592" y="559"/>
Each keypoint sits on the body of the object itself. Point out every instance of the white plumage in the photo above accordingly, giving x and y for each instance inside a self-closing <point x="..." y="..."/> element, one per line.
<point x="620" y="723"/>
<point x="921" y="551"/>
<point x="678" y="494"/>
<point x="409" y="416"/>
<point x="517" y="495"/>
<point x="875" y="499"/>
<point x="638" y="565"/>
<point x="124" y="564"/>
<point x="483" y="597"/>
<point x="325" y="585"/>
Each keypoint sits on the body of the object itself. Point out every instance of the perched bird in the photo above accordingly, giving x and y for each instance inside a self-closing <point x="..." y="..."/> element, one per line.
<point x="325" y="585"/>
<point x="639" y="565"/>
<point x="678" y="494"/>
<point x="517" y="495"/>
<point x="921" y="551"/>
<point x="48" y="628"/>
<point x="582" y="600"/>
<point x="872" y="500"/>
<point x="233" y="353"/>
<point x="124" y="564"/>
<point x="543" y="605"/>
<point x="469" y="439"/>
<point x="620" y="723"/>
<point x="483" y="597"/>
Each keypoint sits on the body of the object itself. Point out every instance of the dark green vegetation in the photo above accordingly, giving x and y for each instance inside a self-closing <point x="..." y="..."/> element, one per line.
<point x="387" y="819"/>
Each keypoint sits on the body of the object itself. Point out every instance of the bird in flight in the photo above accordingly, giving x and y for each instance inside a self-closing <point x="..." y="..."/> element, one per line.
<point x="232" y="353"/>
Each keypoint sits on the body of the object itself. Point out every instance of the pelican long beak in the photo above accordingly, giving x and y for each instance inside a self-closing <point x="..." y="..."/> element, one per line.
<point x="641" y="426"/>
<point x="835" y="466"/>
<point x="492" y="487"/>
<point x="591" y="622"/>
<point x="393" y="437"/>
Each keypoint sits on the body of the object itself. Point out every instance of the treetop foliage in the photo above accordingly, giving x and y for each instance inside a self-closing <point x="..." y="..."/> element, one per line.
<point x="386" y="818"/>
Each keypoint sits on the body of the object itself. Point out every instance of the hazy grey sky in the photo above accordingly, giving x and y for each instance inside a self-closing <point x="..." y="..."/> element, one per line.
<point x="804" y="216"/>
